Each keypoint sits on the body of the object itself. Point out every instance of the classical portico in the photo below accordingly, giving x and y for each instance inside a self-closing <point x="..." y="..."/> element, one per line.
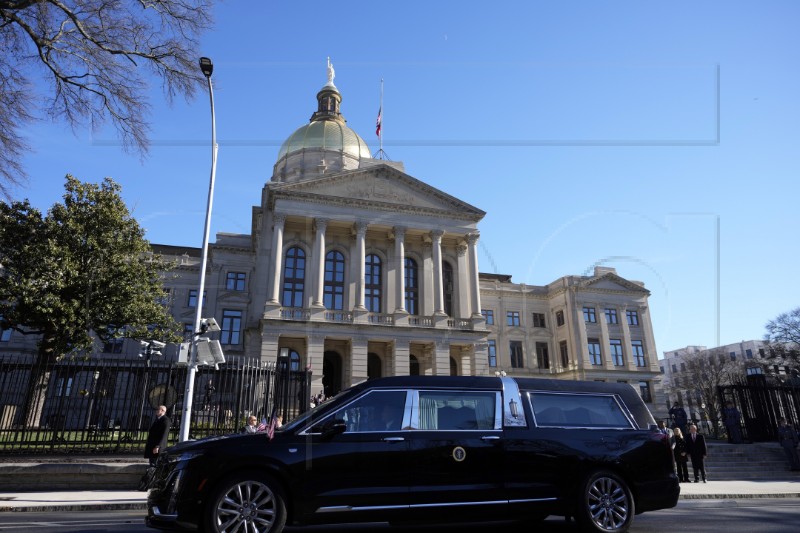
<point x="370" y="272"/>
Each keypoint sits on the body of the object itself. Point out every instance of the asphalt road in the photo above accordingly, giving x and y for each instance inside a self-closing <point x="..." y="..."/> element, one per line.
<point x="753" y="515"/>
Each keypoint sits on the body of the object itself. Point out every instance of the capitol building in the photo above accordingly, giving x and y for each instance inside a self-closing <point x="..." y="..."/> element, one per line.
<point x="356" y="270"/>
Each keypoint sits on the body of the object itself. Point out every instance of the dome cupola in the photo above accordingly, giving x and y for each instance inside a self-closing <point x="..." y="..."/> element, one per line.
<point x="325" y="144"/>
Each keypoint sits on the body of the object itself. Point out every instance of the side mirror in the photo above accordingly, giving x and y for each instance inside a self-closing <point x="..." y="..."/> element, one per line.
<point x="337" y="427"/>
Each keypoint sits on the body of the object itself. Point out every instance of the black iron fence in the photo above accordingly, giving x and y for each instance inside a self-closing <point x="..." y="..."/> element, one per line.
<point x="106" y="406"/>
<point x="761" y="405"/>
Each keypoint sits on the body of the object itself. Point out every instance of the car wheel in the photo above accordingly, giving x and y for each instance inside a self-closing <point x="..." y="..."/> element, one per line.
<point x="246" y="503"/>
<point x="605" y="504"/>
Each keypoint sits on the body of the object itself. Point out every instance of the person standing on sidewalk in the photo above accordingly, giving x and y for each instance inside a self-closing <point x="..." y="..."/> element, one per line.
<point x="681" y="456"/>
<point x="697" y="450"/>
<point x="787" y="436"/>
<point x="157" y="435"/>
<point x="732" y="420"/>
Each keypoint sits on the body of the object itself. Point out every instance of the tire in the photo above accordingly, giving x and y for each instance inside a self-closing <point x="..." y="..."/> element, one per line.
<point x="605" y="504"/>
<point x="246" y="503"/>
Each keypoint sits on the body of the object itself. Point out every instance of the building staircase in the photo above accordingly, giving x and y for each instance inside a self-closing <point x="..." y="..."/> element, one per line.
<point x="757" y="461"/>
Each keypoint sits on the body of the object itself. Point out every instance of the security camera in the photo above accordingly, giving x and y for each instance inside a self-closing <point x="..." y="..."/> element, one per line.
<point x="209" y="325"/>
<point x="157" y="345"/>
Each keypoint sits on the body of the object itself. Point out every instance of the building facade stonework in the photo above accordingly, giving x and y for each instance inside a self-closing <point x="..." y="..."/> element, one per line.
<point x="355" y="269"/>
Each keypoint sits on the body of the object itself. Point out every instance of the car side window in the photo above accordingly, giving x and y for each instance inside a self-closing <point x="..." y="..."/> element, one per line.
<point x="578" y="410"/>
<point x="458" y="410"/>
<point x="375" y="411"/>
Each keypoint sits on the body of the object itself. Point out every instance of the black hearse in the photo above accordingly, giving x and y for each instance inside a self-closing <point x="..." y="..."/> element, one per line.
<point x="428" y="449"/>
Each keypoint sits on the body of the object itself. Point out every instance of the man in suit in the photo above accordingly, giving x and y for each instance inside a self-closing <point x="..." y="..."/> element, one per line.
<point x="157" y="435"/>
<point x="697" y="450"/>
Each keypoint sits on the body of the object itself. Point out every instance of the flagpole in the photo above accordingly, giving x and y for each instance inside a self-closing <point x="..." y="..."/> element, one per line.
<point x="380" y="136"/>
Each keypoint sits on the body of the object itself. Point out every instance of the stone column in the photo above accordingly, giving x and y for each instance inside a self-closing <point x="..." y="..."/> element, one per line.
<point x="400" y="269"/>
<point x="649" y="340"/>
<point x="278" y="221"/>
<point x="464" y="289"/>
<point x="475" y="288"/>
<point x="402" y="356"/>
<point x="438" y="288"/>
<point x="316" y="350"/>
<point x="269" y="347"/>
<point x="318" y="268"/>
<point x="358" y="358"/>
<point x="441" y="358"/>
<point x="361" y="232"/>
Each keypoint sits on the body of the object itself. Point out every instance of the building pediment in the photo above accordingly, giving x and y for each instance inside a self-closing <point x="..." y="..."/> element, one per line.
<point x="612" y="282"/>
<point x="378" y="187"/>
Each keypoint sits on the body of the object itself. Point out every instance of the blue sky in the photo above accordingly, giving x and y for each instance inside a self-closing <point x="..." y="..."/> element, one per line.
<point x="657" y="138"/>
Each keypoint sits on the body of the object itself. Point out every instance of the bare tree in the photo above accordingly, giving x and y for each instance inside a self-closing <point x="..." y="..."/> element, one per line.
<point x="707" y="370"/>
<point x="92" y="53"/>
<point x="783" y="340"/>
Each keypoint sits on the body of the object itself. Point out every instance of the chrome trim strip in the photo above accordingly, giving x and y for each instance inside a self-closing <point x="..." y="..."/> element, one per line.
<point x="345" y="508"/>
<point x="490" y="437"/>
<point x="511" y="394"/>
<point x="393" y="439"/>
<point x="457" y="504"/>
<point x="551" y="499"/>
<point x="342" y="508"/>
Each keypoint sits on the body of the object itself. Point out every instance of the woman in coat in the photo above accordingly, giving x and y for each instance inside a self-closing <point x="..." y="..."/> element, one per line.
<point x="681" y="457"/>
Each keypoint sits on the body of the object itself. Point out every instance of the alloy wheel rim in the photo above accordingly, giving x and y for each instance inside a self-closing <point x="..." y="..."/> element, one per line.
<point x="608" y="504"/>
<point x="247" y="507"/>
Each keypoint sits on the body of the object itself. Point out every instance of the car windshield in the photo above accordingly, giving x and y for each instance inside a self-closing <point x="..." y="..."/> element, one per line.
<point x="314" y="414"/>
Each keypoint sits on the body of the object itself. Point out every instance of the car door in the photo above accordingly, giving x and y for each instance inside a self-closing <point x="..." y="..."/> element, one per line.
<point x="456" y="453"/>
<point x="356" y="460"/>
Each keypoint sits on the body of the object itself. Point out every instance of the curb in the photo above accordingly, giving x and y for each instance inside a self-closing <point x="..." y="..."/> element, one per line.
<point x="117" y="506"/>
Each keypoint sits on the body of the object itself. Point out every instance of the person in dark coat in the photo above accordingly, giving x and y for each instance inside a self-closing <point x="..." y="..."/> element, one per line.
<point x="787" y="437"/>
<point x="697" y="450"/>
<point x="157" y="435"/>
<point x="732" y="420"/>
<point x="681" y="457"/>
<point x="679" y="417"/>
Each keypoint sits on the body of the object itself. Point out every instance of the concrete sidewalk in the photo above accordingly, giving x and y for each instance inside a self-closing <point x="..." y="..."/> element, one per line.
<point x="124" y="499"/>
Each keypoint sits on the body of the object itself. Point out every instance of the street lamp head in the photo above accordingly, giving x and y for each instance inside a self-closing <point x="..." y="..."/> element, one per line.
<point x="206" y="66"/>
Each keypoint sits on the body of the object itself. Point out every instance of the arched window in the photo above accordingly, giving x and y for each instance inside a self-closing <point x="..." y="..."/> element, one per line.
<point x="413" y="366"/>
<point x="447" y="279"/>
<point x="374" y="366"/>
<point x="294" y="360"/>
<point x="412" y="286"/>
<point x="373" y="279"/>
<point x="294" y="274"/>
<point x="333" y="297"/>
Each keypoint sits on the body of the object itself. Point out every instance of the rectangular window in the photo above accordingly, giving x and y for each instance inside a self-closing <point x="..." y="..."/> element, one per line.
<point x="512" y="318"/>
<point x="559" y="318"/>
<point x="644" y="390"/>
<point x="231" y="326"/>
<point x="538" y="320"/>
<point x="733" y="356"/>
<point x="115" y="341"/>
<point x="748" y="353"/>
<point x="492" y="353"/>
<point x="616" y="352"/>
<point x="674" y="369"/>
<point x="578" y="410"/>
<point x="562" y="348"/>
<point x="457" y="410"/>
<point x="595" y="356"/>
<point x="633" y="317"/>
<point x="515" y="348"/>
<point x="683" y="367"/>
<point x="165" y="298"/>
<point x="188" y="331"/>
<point x="5" y="334"/>
<point x="64" y="387"/>
<point x="235" y="281"/>
<point x="637" y="349"/>
<point x="589" y="314"/>
<point x="677" y="382"/>
<point x="192" y="302"/>
<point x="542" y="355"/>
<point x="488" y="315"/>
<point x="611" y="316"/>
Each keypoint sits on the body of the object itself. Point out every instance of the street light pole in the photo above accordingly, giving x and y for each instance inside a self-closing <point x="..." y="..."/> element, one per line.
<point x="207" y="67"/>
